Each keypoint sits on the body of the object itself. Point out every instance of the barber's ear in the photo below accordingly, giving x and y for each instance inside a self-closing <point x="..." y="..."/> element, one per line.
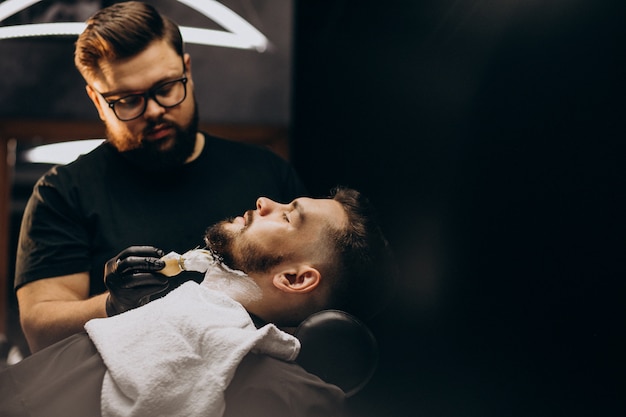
<point x="187" y="63"/>
<point x="297" y="280"/>
<point x="95" y="98"/>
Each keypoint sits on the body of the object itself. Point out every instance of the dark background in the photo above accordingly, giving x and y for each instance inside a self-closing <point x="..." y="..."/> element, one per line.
<point x="490" y="136"/>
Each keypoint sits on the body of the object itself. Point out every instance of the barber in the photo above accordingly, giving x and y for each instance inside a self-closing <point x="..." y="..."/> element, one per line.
<point x="155" y="179"/>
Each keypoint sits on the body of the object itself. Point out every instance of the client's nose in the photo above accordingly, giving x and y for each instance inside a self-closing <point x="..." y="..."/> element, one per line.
<point x="265" y="206"/>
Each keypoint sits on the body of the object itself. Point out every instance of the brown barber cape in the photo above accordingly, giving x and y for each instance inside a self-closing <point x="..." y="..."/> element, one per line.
<point x="65" y="380"/>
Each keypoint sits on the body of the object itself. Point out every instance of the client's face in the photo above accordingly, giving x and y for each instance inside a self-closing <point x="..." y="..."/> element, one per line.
<point x="275" y="233"/>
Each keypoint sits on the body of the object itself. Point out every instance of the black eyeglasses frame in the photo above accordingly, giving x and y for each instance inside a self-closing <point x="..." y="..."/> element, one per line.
<point x="149" y="94"/>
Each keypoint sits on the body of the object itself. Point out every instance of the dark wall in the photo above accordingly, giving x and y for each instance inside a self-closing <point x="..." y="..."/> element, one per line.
<point x="490" y="136"/>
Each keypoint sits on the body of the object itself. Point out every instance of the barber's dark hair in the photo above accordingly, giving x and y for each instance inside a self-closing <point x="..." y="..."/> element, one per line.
<point x="365" y="264"/>
<point x="120" y="31"/>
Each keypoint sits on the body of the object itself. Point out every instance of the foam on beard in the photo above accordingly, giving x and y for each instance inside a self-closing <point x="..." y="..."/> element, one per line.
<point x="217" y="276"/>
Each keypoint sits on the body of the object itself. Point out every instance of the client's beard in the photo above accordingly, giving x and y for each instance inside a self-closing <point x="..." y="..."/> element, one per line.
<point x="218" y="277"/>
<point x="148" y="155"/>
<point x="250" y="259"/>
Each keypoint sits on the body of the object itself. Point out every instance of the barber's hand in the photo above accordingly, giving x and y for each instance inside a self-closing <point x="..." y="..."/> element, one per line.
<point x="132" y="280"/>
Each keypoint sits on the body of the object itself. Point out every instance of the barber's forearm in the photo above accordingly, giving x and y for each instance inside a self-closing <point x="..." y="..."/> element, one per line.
<point x="48" y="322"/>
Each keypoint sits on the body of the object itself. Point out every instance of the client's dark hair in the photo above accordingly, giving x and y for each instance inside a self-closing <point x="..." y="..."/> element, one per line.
<point x="365" y="269"/>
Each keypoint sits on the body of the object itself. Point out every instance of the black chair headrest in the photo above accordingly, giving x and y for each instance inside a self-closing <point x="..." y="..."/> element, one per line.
<point x="338" y="348"/>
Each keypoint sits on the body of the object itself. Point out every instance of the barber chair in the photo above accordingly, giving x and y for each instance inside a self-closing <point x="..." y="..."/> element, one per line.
<point x="338" y="348"/>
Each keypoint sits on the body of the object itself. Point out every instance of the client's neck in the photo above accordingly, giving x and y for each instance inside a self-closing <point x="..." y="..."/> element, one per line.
<point x="235" y="284"/>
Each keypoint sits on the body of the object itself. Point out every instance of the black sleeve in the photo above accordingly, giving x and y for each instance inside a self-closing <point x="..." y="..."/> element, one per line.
<point x="53" y="238"/>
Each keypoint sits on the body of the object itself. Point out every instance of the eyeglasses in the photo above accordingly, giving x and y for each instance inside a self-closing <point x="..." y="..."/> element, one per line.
<point x="132" y="106"/>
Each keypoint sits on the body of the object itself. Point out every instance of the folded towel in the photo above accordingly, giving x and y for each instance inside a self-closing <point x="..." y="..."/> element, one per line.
<point x="176" y="355"/>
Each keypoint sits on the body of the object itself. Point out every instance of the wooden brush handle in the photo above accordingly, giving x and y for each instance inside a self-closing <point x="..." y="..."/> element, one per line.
<point x="172" y="267"/>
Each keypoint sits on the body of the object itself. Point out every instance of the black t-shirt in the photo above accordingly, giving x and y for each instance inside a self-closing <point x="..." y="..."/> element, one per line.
<point x="84" y="213"/>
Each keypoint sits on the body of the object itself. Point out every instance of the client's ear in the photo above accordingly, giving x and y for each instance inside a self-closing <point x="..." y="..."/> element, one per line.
<point x="301" y="279"/>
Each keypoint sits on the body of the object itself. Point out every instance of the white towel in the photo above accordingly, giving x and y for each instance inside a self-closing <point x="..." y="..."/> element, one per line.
<point x="176" y="355"/>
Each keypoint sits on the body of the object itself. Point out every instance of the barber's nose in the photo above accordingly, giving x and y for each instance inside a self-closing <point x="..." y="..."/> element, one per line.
<point x="265" y="206"/>
<point x="153" y="109"/>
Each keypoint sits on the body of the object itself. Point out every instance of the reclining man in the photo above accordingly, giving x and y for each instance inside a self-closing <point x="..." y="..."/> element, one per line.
<point x="196" y="351"/>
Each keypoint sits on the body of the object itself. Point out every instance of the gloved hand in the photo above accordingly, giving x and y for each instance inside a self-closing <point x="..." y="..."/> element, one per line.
<point x="132" y="280"/>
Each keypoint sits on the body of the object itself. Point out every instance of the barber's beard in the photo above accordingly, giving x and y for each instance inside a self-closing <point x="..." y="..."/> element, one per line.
<point x="244" y="256"/>
<point x="149" y="155"/>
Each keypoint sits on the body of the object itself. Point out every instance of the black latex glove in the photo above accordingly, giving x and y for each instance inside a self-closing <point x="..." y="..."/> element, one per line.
<point x="132" y="280"/>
